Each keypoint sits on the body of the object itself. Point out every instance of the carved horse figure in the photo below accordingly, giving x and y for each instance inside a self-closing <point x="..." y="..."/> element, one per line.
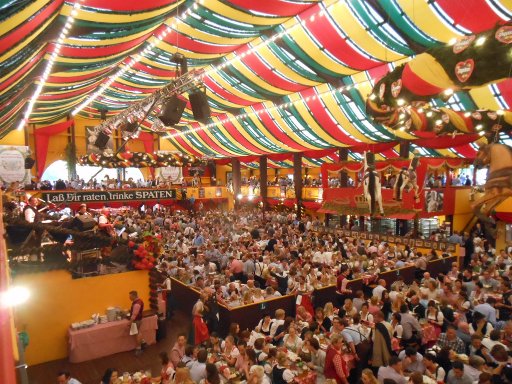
<point x="498" y="186"/>
<point x="407" y="180"/>
<point x="371" y="184"/>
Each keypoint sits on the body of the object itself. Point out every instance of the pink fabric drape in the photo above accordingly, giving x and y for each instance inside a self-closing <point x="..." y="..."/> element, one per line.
<point x="42" y="138"/>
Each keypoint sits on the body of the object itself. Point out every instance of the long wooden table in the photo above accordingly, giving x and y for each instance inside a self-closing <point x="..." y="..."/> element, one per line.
<point x="248" y="316"/>
<point x="109" y="338"/>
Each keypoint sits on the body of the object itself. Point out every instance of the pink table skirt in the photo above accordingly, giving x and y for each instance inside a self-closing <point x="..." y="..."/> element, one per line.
<point x="106" y="339"/>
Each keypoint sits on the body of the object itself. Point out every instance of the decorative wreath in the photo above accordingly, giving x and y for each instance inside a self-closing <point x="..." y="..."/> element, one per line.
<point x="402" y="99"/>
<point x="138" y="160"/>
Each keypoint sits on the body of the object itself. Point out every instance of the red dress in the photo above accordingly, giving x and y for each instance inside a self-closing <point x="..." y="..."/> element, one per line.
<point x="332" y="359"/>
<point x="201" y="333"/>
<point x="305" y="300"/>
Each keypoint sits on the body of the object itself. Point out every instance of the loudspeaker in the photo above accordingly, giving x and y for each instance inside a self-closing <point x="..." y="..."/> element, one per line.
<point x="103" y="114"/>
<point x="84" y="223"/>
<point x="172" y="110"/>
<point x="101" y="140"/>
<point x="200" y="107"/>
<point x="29" y="162"/>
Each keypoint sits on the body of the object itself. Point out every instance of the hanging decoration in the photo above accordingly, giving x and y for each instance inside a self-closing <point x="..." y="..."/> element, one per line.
<point x="139" y="160"/>
<point x="402" y="100"/>
<point x="498" y="186"/>
<point x="146" y="253"/>
<point x="372" y="186"/>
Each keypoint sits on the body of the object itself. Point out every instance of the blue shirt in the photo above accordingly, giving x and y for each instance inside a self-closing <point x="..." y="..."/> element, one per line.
<point x="488" y="311"/>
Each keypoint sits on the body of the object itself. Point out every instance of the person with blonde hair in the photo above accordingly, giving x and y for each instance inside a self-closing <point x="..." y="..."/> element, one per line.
<point x="257" y="375"/>
<point x="182" y="376"/>
<point x="367" y="377"/>
<point x="281" y="373"/>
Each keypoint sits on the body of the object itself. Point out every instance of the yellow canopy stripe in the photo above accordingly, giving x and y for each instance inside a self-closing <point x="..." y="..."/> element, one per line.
<point x="248" y="137"/>
<point x="346" y="20"/>
<point x="225" y="85"/>
<point x="171" y="49"/>
<point x="427" y="68"/>
<point x="27" y="41"/>
<point x="426" y="20"/>
<point x="228" y="137"/>
<point x="254" y="77"/>
<point x="107" y="42"/>
<point x="225" y="10"/>
<point x="264" y="131"/>
<point x="10" y="74"/>
<point x="22" y="16"/>
<point x="288" y="131"/>
<point x="311" y="122"/>
<point x="303" y="40"/>
<point x="281" y="67"/>
<point x="97" y="15"/>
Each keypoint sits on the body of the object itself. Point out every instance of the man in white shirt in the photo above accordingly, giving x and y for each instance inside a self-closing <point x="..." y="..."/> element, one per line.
<point x="487" y="309"/>
<point x="381" y="287"/>
<point x="65" y="378"/>
<point x="198" y="367"/>
<point x="493" y="339"/>
<point x="393" y="371"/>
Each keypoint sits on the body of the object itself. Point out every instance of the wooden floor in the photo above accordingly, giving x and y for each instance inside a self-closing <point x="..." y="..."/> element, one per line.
<point x="91" y="372"/>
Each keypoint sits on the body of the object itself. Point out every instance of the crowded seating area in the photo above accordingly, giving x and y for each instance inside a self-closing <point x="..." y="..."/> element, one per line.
<point x="256" y="192"/>
<point x="450" y="326"/>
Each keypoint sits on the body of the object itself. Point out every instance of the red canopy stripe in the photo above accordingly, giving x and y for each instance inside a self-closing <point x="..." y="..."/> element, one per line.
<point x="42" y="138"/>
<point x="478" y="17"/>
<point x="233" y="131"/>
<point x="128" y="5"/>
<point x="275" y="131"/>
<point x="22" y="71"/>
<point x="102" y="51"/>
<point x="332" y="41"/>
<point x="325" y="121"/>
<point x="265" y="72"/>
<point x="417" y="85"/>
<point x="198" y="46"/>
<point x="224" y="93"/>
<point x="10" y="40"/>
<point x="56" y="78"/>
<point x="276" y="7"/>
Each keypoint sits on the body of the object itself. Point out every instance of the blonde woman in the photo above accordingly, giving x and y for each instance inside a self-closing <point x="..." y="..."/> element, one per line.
<point x="329" y="310"/>
<point x="368" y="377"/>
<point x="397" y="303"/>
<point x="257" y="375"/>
<point x="182" y="376"/>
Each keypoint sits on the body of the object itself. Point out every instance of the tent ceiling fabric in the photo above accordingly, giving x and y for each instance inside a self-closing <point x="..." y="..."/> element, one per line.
<point x="281" y="75"/>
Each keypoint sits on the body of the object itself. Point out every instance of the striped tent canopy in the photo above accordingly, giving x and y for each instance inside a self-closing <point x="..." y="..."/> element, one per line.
<point x="281" y="76"/>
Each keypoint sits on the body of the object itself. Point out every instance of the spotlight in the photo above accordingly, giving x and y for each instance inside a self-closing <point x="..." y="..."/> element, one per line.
<point x="239" y="196"/>
<point x="14" y="296"/>
<point x="480" y="41"/>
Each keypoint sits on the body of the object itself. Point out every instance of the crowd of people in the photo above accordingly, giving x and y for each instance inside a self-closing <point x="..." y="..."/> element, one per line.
<point x="376" y="335"/>
<point x="369" y="336"/>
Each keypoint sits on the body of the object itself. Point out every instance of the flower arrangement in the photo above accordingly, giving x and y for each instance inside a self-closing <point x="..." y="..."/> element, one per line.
<point x="145" y="253"/>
